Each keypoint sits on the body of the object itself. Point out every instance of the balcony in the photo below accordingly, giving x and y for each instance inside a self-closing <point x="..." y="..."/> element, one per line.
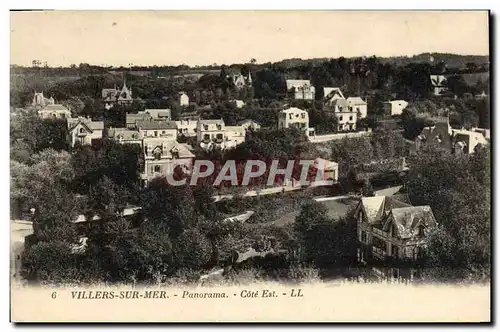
<point x="379" y="253"/>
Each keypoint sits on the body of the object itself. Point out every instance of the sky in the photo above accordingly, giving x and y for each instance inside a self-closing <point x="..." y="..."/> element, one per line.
<point x="224" y="37"/>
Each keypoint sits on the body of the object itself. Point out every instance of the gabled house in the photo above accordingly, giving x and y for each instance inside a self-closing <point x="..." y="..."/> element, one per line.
<point x="345" y="114"/>
<point x="84" y="130"/>
<point x="163" y="156"/>
<point x="330" y="94"/>
<point x="392" y="231"/>
<point x="438" y="84"/>
<point x="300" y="89"/>
<point x="117" y="96"/>
<point x="249" y="124"/>
<point x="241" y="81"/>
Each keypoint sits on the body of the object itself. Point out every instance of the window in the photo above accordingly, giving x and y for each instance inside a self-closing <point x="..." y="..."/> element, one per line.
<point x="303" y="115"/>
<point x="219" y="136"/>
<point x="206" y="136"/>
<point x="350" y="118"/>
<point x="394" y="230"/>
<point x="341" y="118"/>
<point x="82" y="130"/>
<point x="205" y="127"/>
<point x="163" y="132"/>
<point x="157" y="169"/>
<point x="410" y="252"/>
<point x="175" y="154"/>
<point x="219" y="127"/>
<point x="395" y="251"/>
<point x="395" y="273"/>
<point x="156" y="133"/>
<point x="291" y="116"/>
<point x="379" y="246"/>
<point x="363" y="236"/>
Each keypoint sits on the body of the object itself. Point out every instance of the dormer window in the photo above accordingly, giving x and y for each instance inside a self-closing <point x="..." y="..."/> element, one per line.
<point x="421" y="230"/>
<point x="205" y="126"/>
<point x="219" y="127"/>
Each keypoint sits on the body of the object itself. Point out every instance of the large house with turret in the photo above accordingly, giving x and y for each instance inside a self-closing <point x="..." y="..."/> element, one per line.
<point x="117" y="96"/>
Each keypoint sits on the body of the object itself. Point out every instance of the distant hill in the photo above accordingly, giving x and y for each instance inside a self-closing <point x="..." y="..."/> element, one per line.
<point x="451" y="60"/>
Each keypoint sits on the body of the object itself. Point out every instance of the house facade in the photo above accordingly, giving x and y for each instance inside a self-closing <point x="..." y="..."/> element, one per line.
<point x="241" y="81"/>
<point x="358" y="105"/>
<point x="300" y="89"/>
<point x="442" y="135"/>
<point x="159" y="114"/>
<point x="187" y="127"/>
<point x="394" y="107"/>
<point x="40" y="100"/>
<point x="117" y="96"/>
<point x="125" y="136"/>
<point x="211" y="133"/>
<point x="294" y="117"/>
<point x="132" y="118"/>
<point x="345" y="114"/>
<point x="392" y="231"/>
<point x="328" y="170"/>
<point x="157" y="129"/>
<point x="438" y="84"/>
<point x="234" y="135"/>
<point x="84" y="131"/>
<point x="162" y="156"/>
<point x="183" y="99"/>
<point x="249" y="125"/>
<point x="54" y="111"/>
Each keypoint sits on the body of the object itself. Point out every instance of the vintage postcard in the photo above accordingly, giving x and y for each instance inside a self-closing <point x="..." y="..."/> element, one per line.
<point x="250" y="166"/>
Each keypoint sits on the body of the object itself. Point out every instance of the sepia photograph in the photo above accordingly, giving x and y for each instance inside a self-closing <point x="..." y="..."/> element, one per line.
<point x="250" y="166"/>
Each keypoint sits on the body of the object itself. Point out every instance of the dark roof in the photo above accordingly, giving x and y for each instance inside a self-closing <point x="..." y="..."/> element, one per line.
<point x="407" y="219"/>
<point x="156" y="125"/>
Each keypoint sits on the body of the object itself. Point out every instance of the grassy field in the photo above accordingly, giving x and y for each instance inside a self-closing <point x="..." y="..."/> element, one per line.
<point x="336" y="209"/>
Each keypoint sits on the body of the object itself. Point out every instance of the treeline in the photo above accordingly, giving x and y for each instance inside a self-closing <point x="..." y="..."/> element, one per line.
<point x="371" y="78"/>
